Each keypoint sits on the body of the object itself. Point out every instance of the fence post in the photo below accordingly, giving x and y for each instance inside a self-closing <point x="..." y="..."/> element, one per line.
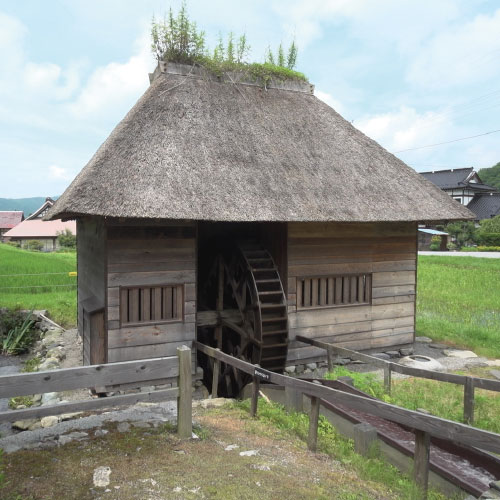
<point x="255" y="395"/>
<point x="387" y="377"/>
<point x="184" y="400"/>
<point x="215" y="376"/>
<point x="312" y="438"/>
<point x="421" y="460"/>
<point x="469" y="400"/>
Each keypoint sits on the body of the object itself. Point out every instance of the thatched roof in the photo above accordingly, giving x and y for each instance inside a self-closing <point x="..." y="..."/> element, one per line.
<point x="197" y="148"/>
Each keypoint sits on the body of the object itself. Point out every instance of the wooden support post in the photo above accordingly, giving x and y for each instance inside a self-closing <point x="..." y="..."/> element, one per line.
<point x="293" y="400"/>
<point x="469" y="400"/>
<point x="219" y="305"/>
<point x="387" y="377"/>
<point x="184" y="401"/>
<point x="215" y="377"/>
<point x="329" y="358"/>
<point x="365" y="436"/>
<point x="255" y="396"/>
<point x="312" y="438"/>
<point x="421" y="460"/>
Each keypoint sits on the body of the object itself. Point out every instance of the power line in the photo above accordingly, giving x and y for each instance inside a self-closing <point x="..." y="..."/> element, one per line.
<point x="447" y="142"/>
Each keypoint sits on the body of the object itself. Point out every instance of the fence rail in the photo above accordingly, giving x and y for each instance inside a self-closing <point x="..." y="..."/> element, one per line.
<point x="469" y="383"/>
<point x="423" y="424"/>
<point x="141" y="372"/>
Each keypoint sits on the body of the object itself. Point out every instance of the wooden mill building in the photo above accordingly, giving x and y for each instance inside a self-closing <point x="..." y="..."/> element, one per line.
<point x="244" y="216"/>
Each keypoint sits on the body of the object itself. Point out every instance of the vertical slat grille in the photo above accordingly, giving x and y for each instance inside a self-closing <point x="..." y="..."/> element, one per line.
<point x="352" y="289"/>
<point x="151" y="304"/>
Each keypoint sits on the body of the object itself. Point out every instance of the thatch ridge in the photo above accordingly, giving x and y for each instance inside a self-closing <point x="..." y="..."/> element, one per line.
<point x="195" y="148"/>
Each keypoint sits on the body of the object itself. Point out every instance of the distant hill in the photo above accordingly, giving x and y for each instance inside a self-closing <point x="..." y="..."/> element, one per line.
<point x="26" y="205"/>
<point x="491" y="175"/>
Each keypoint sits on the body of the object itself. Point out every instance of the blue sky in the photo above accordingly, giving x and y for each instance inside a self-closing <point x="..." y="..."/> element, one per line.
<point x="407" y="73"/>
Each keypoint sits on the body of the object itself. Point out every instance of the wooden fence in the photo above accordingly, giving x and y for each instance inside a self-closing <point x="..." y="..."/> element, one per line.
<point x="469" y="383"/>
<point x="137" y="372"/>
<point x="424" y="425"/>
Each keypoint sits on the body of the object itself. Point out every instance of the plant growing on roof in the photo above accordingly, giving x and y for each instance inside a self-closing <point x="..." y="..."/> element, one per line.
<point x="177" y="39"/>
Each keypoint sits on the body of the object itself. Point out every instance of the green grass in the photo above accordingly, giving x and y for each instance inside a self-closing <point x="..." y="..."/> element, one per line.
<point x="332" y="443"/>
<point x="39" y="291"/>
<point x="439" y="398"/>
<point x="458" y="302"/>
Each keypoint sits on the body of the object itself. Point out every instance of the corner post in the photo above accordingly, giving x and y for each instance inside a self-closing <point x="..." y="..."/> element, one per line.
<point x="184" y="400"/>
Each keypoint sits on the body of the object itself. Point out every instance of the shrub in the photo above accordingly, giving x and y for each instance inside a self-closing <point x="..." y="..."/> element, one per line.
<point x="19" y="338"/>
<point x="15" y="244"/>
<point x="435" y="243"/>
<point x="488" y="249"/>
<point x="451" y="246"/>
<point x="490" y="225"/>
<point x="66" y="239"/>
<point x="489" y="239"/>
<point x="34" y="245"/>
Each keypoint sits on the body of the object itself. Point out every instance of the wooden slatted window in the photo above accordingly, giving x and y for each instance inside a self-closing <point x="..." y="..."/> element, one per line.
<point x="334" y="291"/>
<point x="156" y="304"/>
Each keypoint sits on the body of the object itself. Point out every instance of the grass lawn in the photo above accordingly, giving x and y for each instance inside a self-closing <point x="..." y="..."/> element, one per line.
<point x="458" y="302"/>
<point x="440" y="398"/>
<point x="41" y="290"/>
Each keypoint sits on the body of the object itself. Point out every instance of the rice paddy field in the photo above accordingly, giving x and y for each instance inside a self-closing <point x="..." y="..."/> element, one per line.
<point x="458" y="302"/>
<point x="36" y="280"/>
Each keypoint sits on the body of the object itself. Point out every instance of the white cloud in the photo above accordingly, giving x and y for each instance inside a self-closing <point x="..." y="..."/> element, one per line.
<point x="116" y="85"/>
<point x="465" y="54"/>
<point x="328" y="99"/>
<point x="60" y="173"/>
<point x="403" y="22"/>
<point x="406" y="128"/>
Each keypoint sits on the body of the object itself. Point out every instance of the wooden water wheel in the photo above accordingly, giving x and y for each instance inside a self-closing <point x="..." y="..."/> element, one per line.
<point x="259" y="332"/>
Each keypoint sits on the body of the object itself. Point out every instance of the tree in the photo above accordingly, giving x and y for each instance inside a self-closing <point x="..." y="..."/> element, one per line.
<point x="491" y="175"/>
<point x="463" y="232"/>
<point x="66" y="239"/>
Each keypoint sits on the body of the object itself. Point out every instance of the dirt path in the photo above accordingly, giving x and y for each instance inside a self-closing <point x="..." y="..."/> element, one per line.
<point x="148" y="463"/>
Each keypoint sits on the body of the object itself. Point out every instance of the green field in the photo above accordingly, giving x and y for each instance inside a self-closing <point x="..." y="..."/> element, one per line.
<point x="35" y="280"/>
<point x="458" y="302"/>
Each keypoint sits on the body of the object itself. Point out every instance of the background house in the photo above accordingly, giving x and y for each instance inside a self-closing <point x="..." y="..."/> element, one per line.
<point x="465" y="186"/>
<point x="34" y="228"/>
<point x="8" y="220"/>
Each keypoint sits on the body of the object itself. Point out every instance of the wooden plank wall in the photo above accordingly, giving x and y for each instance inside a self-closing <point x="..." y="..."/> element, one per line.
<point x="150" y="256"/>
<point x="388" y="251"/>
<point x="91" y="260"/>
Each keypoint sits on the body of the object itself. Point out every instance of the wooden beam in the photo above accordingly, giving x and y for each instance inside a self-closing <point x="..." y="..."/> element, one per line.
<point x="88" y="376"/>
<point x="93" y="404"/>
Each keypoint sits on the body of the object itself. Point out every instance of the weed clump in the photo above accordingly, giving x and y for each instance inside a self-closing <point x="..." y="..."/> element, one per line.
<point x="177" y="39"/>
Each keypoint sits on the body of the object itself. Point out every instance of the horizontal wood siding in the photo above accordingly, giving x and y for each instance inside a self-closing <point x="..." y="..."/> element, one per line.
<point x="150" y="256"/>
<point x="91" y="261"/>
<point x="386" y="251"/>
